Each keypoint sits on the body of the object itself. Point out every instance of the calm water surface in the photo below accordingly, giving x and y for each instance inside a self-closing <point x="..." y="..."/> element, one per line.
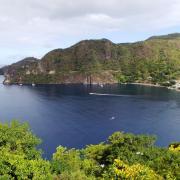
<point x="70" y="116"/>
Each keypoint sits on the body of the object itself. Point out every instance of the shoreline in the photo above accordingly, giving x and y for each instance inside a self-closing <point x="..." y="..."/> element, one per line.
<point x="155" y="85"/>
<point x="147" y="84"/>
<point x="100" y="84"/>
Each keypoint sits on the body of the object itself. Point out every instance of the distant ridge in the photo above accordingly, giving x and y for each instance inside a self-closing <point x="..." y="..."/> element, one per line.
<point x="166" y="37"/>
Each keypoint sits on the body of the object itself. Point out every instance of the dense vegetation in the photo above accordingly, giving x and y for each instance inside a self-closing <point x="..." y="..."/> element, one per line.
<point x="122" y="156"/>
<point x="156" y="60"/>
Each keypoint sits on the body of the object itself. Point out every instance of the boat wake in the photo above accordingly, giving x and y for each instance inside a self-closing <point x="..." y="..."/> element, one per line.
<point x="119" y="95"/>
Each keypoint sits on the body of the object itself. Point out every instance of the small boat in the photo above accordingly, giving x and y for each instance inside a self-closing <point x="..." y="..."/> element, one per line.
<point x="33" y="84"/>
<point x="112" y="118"/>
<point x="20" y="84"/>
<point x="102" y="85"/>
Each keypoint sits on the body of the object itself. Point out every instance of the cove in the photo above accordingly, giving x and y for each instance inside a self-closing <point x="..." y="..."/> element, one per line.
<point x="77" y="115"/>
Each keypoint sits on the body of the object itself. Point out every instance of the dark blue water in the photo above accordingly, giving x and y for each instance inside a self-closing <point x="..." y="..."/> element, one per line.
<point x="69" y="116"/>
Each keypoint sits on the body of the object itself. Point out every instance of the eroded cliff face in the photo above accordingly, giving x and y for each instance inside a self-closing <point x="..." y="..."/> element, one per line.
<point x="101" y="61"/>
<point x="104" y="77"/>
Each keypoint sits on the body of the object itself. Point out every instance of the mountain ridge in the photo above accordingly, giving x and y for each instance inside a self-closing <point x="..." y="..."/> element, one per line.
<point x="168" y="36"/>
<point x="155" y="60"/>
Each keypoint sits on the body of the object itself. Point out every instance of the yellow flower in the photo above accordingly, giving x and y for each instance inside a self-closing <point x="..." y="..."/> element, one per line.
<point x="174" y="147"/>
<point x="136" y="171"/>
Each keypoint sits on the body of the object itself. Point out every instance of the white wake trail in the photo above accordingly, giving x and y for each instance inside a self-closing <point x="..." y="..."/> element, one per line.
<point x="99" y="94"/>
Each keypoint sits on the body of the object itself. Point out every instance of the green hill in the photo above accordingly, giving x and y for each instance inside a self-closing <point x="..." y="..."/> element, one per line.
<point x="155" y="60"/>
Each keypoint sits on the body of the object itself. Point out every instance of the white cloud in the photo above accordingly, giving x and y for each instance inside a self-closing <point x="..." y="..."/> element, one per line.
<point x="40" y="24"/>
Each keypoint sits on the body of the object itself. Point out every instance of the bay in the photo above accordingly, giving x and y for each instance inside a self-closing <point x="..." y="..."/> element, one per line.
<point x="77" y="115"/>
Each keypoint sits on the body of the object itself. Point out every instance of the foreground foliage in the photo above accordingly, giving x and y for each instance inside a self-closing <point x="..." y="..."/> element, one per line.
<point x="19" y="157"/>
<point x="122" y="156"/>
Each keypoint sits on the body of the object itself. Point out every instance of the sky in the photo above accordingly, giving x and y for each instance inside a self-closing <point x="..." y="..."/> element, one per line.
<point x="34" y="27"/>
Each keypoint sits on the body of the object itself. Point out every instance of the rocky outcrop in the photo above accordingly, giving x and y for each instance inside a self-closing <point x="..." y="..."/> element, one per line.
<point x="104" y="77"/>
<point x="176" y="86"/>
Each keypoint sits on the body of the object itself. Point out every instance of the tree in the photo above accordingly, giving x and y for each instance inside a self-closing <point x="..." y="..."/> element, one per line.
<point x="20" y="159"/>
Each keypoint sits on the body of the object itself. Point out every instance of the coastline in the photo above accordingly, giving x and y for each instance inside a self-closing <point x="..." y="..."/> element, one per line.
<point x="100" y="84"/>
<point x="147" y="84"/>
<point x="175" y="87"/>
<point x="155" y="85"/>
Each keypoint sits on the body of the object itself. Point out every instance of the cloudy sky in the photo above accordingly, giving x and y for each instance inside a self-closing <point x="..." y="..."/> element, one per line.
<point x="33" y="27"/>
